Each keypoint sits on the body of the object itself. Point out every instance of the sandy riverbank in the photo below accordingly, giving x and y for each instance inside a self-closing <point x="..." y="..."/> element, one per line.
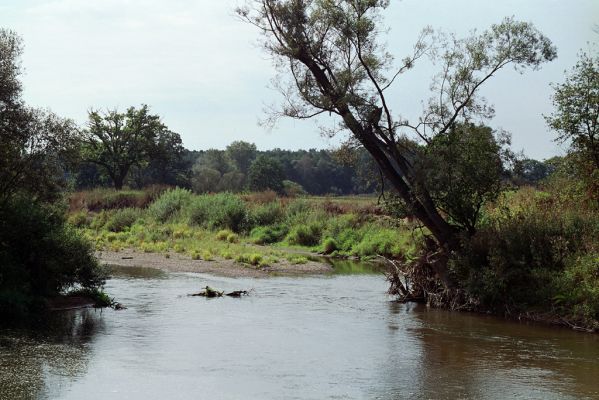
<point x="181" y="263"/>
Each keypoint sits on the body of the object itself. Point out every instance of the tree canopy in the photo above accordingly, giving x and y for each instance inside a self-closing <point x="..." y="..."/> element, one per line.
<point x="119" y="141"/>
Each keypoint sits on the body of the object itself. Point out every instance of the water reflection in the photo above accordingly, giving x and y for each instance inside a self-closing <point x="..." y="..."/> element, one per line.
<point x="38" y="358"/>
<point x="476" y="356"/>
<point x="327" y="337"/>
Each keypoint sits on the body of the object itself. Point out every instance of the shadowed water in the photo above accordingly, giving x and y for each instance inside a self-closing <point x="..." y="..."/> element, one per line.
<point x="333" y="337"/>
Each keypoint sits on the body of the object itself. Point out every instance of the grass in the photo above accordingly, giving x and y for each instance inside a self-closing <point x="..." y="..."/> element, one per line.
<point x="253" y="229"/>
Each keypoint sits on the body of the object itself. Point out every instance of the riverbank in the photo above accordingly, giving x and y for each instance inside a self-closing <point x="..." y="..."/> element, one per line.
<point x="177" y="262"/>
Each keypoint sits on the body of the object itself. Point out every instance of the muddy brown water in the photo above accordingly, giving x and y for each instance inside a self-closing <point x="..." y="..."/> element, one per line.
<point x="326" y="337"/>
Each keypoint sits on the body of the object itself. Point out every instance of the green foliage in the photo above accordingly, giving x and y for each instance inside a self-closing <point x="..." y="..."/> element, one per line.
<point x="267" y="214"/>
<point x="576" y="104"/>
<point x="463" y="170"/>
<point x="526" y="253"/>
<point x="305" y="234"/>
<point x="122" y="219"/>
<point x="219" y="211"/>
<point x="40" y="256"/>
<point x="578" y="289"/>
<point x="293" y="189"/>
<point x="266" y="173"/>
<point x="269" y="234"/>
<point x="168" y="205"/>
<point x="385" y="242"/>
<point x="118" y="141"/>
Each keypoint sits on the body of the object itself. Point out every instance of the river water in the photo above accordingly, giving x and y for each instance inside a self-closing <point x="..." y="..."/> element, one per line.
<point x="327" y="337"/>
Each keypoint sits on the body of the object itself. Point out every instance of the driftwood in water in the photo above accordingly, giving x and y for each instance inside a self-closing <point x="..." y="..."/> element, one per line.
<point x="210" y="292"/>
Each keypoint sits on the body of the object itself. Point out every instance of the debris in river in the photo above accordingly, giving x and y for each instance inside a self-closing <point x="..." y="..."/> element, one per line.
<point x="210" y="292"/>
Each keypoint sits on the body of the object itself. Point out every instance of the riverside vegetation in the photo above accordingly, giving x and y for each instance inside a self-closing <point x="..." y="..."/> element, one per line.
<point x="535" y="253"/>
<point x="232" y="226"/>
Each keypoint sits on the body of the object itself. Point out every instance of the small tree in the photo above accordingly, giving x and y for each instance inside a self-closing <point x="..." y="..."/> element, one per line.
<point x="463" y="170"/>
<point x="118" y="141"/>
<point x="576" y="102"/>
<point x="266" y="174"/>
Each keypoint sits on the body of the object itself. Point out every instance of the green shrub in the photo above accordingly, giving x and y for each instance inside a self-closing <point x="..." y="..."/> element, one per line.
<point x="122" y="219"/>
<point x="267" y="214"/>
<point x="232" y="238"/>
<point x="522" y="258"/>
<point x="269" y="234"/>
<point x="578" y="289"/>
<point x="219" y="211"/>
<point x="41" y="256"/>
<point x="99" y="220"/>
<point x="305" y="234"/>
<point x="168" y="205"/>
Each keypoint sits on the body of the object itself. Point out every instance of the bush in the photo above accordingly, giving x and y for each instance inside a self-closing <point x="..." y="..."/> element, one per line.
<point x="168" y="205"/>
<point x="293" y="189"/>
<point x="269" y="234"/>
<point x="525" y="255"/>
<point x="267" y="214"/>
<point x="41" y="256"/>
<point x="122" y="219"/>
<point x="219" y="211"/>
<point x="305" y="234"/>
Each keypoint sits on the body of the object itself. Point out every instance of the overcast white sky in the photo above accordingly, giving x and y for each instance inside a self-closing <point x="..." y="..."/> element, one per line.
<point x="199" y="68"/>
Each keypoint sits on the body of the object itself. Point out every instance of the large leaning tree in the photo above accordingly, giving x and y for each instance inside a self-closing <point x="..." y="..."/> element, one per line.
<point x="119" y="141"/>
<point x="332" y="52"/>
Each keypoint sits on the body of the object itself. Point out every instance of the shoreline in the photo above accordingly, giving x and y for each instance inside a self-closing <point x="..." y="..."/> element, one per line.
<point x="177" y="262"/>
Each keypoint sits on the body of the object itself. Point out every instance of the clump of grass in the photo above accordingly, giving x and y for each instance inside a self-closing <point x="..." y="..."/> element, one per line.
<point x="268" y="234"/>
<point x="195" y="255"/>
<point x="252" y="259"/>
<point x="232" y="238"/>
<point x="207" y="256"/>
<point x="223" y="234"/>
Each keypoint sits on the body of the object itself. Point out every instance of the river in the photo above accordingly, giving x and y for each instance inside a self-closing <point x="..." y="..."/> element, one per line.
<point x="325" y="337"/>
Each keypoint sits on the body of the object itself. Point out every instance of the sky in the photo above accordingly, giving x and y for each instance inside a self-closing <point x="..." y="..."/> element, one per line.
<point x="201" y="69"/>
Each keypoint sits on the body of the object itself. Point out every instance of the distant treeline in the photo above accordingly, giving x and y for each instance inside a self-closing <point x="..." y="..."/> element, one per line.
<point x="242" y="167"/>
